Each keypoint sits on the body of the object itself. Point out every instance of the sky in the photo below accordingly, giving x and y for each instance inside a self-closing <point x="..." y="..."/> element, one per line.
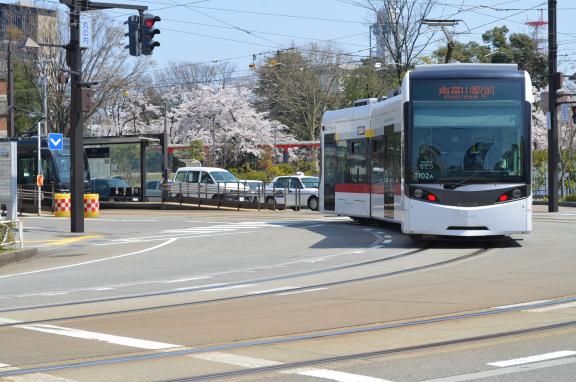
<point x="236" y="30"/>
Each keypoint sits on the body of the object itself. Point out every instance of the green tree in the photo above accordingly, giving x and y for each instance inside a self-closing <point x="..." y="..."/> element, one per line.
<point x="368" y="81"/>
<point x="26" y="98"/>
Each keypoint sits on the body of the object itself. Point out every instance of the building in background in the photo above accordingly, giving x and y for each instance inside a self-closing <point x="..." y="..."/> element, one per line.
<point x="18" y="21"/>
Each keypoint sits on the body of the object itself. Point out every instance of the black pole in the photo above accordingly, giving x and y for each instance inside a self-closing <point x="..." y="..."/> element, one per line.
<point x="553" y="132"/>
<point x="10" y="91"/>
<point x="142" y="171"/>
<point x="76" y="122"/>
<point x="165" y="157"/>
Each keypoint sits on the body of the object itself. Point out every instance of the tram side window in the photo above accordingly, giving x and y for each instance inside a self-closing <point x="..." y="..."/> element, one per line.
<point x="26" y="171"/>
<point x="352" y="161"/>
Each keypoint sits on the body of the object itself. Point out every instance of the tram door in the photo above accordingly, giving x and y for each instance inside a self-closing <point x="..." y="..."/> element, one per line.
<point x="392" y="170"/>
<point x="330" y="172"/>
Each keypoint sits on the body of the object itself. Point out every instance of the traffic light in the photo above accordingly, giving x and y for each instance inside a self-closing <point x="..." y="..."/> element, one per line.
<point x="573" y="114"/>
<point x="133" y="35"/>
<point x="148" y="32"/>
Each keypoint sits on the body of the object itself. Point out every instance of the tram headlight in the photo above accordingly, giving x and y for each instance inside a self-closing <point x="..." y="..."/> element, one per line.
<point x="516" y="193"/>
<point x="418" y="193"/>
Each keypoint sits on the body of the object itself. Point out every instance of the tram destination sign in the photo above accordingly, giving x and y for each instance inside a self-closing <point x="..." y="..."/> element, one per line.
<point x="466" y="90"/>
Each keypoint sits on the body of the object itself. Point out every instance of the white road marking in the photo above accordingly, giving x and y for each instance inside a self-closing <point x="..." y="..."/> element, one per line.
<point x="270" y="290"/>
<point x="534" y="358"/>
<point x="334" y="375"/>
<point x="504" y="371"/>
<point x="99" y="289"/>
<point x="199" y="286"/>
<point x="226" y="358"/>
<point x="520" y="305"/>
<point x="184" y="280"/>
<point x="165" y="237"/>
<point x="301" y="291"/>
<point x="108" y="338"/>
<point x="229" y="287"/>
<point x="170" y="241"/>
<point x="53" y="294"/>
<point x="36" y="377"/>
<point x="554" y="307"/>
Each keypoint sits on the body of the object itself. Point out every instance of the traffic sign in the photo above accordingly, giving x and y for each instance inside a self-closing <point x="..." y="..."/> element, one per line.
<point x="565" y="113"/>
<point x="55" y="141"/>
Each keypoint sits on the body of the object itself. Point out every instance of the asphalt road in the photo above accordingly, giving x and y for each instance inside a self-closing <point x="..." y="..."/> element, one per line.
<point x="285" y="296"/>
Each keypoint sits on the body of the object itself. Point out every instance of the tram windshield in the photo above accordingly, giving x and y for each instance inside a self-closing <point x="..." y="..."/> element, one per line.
<point x="468" y="130"/>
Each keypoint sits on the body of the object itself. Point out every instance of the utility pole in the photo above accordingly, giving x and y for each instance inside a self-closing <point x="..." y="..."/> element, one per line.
<point x="76" y="121"/>
<point x="552" y="88"/>
<point x="10" y="91"/>
<point x="74" y="58"/>
<point x="165" y="157"/>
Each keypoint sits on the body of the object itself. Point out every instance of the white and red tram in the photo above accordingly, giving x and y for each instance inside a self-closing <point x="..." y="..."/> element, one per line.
<point x="450" y="155"/>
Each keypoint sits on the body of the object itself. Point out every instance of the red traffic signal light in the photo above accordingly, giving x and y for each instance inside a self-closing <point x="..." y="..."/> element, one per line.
<point x="148" y="32"/>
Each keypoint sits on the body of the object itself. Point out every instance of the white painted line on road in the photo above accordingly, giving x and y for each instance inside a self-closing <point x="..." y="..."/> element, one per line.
<point x="270" y="290"/>
<point x="108" y="338"/>
<point x="185" y="235"/>
<point x="199" y="286"/>
<point x="505" y="371"/>
<point x="534" y="358"/>
<point x="167" y="242"/>
<point x="236" y="360"/>
<point x="358" y="252"/>
<point x="554" y="307"/>
<point x="184" y="280"/>
<point x="229" y="288"/>
<point x="230" y="359"/>
<point x="301" y="291"/>
<point x="8" y="321"/>
<point x="520" y="305"/>
<point x="36" y="377"/>
<point x="253" y="363"/>
<point x="334" y="375"/>
<point x="100" y="289"/>
<point x="53" y="294"/>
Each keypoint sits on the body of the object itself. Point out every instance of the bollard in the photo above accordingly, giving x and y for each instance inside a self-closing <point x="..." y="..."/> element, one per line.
<point x="62" y="205"/>
<point x="91" y="205"/>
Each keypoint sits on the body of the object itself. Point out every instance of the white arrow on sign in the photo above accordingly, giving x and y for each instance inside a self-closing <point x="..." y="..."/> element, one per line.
<point x="55" y="143"/>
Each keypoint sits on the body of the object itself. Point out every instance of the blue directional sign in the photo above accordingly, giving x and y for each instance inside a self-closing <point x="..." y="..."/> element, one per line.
<point x="55" y="141"/>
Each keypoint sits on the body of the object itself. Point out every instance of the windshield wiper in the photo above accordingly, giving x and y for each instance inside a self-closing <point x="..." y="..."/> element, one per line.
<point x="452" y="186"/>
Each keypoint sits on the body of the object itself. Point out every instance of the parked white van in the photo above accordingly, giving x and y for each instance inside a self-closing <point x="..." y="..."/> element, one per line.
<point x="208" y="183"/>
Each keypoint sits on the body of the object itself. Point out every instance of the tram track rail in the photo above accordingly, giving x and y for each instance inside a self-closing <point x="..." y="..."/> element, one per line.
<point x="469" y="255"/>
<point x="238" y="345"/>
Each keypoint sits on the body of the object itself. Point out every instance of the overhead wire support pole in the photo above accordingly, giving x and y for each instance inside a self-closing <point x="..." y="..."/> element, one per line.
<point x="553" y="131"/>
<point x="76" y="117"/>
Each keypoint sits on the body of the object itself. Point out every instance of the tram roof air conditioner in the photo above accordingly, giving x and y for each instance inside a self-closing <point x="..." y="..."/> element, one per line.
<point x="365" y="101"/>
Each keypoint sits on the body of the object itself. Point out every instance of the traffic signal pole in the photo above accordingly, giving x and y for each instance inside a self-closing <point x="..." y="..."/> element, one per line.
<point x="76" y="117"/>
<point x="553" y="154"/>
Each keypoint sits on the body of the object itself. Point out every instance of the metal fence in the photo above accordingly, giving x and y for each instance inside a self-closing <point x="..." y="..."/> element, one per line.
<point x="566" y="183"/>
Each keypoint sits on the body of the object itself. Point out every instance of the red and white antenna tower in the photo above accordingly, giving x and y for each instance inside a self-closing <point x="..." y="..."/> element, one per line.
<point x="536" y="26"/>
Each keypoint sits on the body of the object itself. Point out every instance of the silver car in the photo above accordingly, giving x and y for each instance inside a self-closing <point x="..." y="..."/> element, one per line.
<point x="300" y="190"/>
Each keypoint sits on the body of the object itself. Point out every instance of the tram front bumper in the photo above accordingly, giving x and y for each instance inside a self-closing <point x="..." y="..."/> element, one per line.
<point x="498" y="219"/>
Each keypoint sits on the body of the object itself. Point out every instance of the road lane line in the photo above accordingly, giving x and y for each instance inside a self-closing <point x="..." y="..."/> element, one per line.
<point x="504" y="371"/>
<point x="229" y="287"/>
<point x="100" y="337"/>
<point x="534" y="358"/>
<point x="170" y="241"/>
<point x="184" y="280"/>
<point x="555" y="307"/>
<point x="199" y="286"/>
<point x="520" y="305"/>
<point x="65" y="241"/>
<point x="36" y="377"/>
<point x="270" y="290"/>
<point x="221" y="357"/>
<point x="301" y="291"/>
<point x="334" y="375"/>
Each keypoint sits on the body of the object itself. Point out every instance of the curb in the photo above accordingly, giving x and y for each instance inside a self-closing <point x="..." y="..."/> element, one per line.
<point x="15" y="255"/>
<point x="561" y="204"/>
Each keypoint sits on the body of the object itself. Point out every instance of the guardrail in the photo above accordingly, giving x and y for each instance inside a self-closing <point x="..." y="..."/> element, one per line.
<point x="237" y="195"/>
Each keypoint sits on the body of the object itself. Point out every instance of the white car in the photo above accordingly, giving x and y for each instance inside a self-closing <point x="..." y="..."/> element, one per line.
<point x="302" y="191"/>
<point x="208" y="183"/>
